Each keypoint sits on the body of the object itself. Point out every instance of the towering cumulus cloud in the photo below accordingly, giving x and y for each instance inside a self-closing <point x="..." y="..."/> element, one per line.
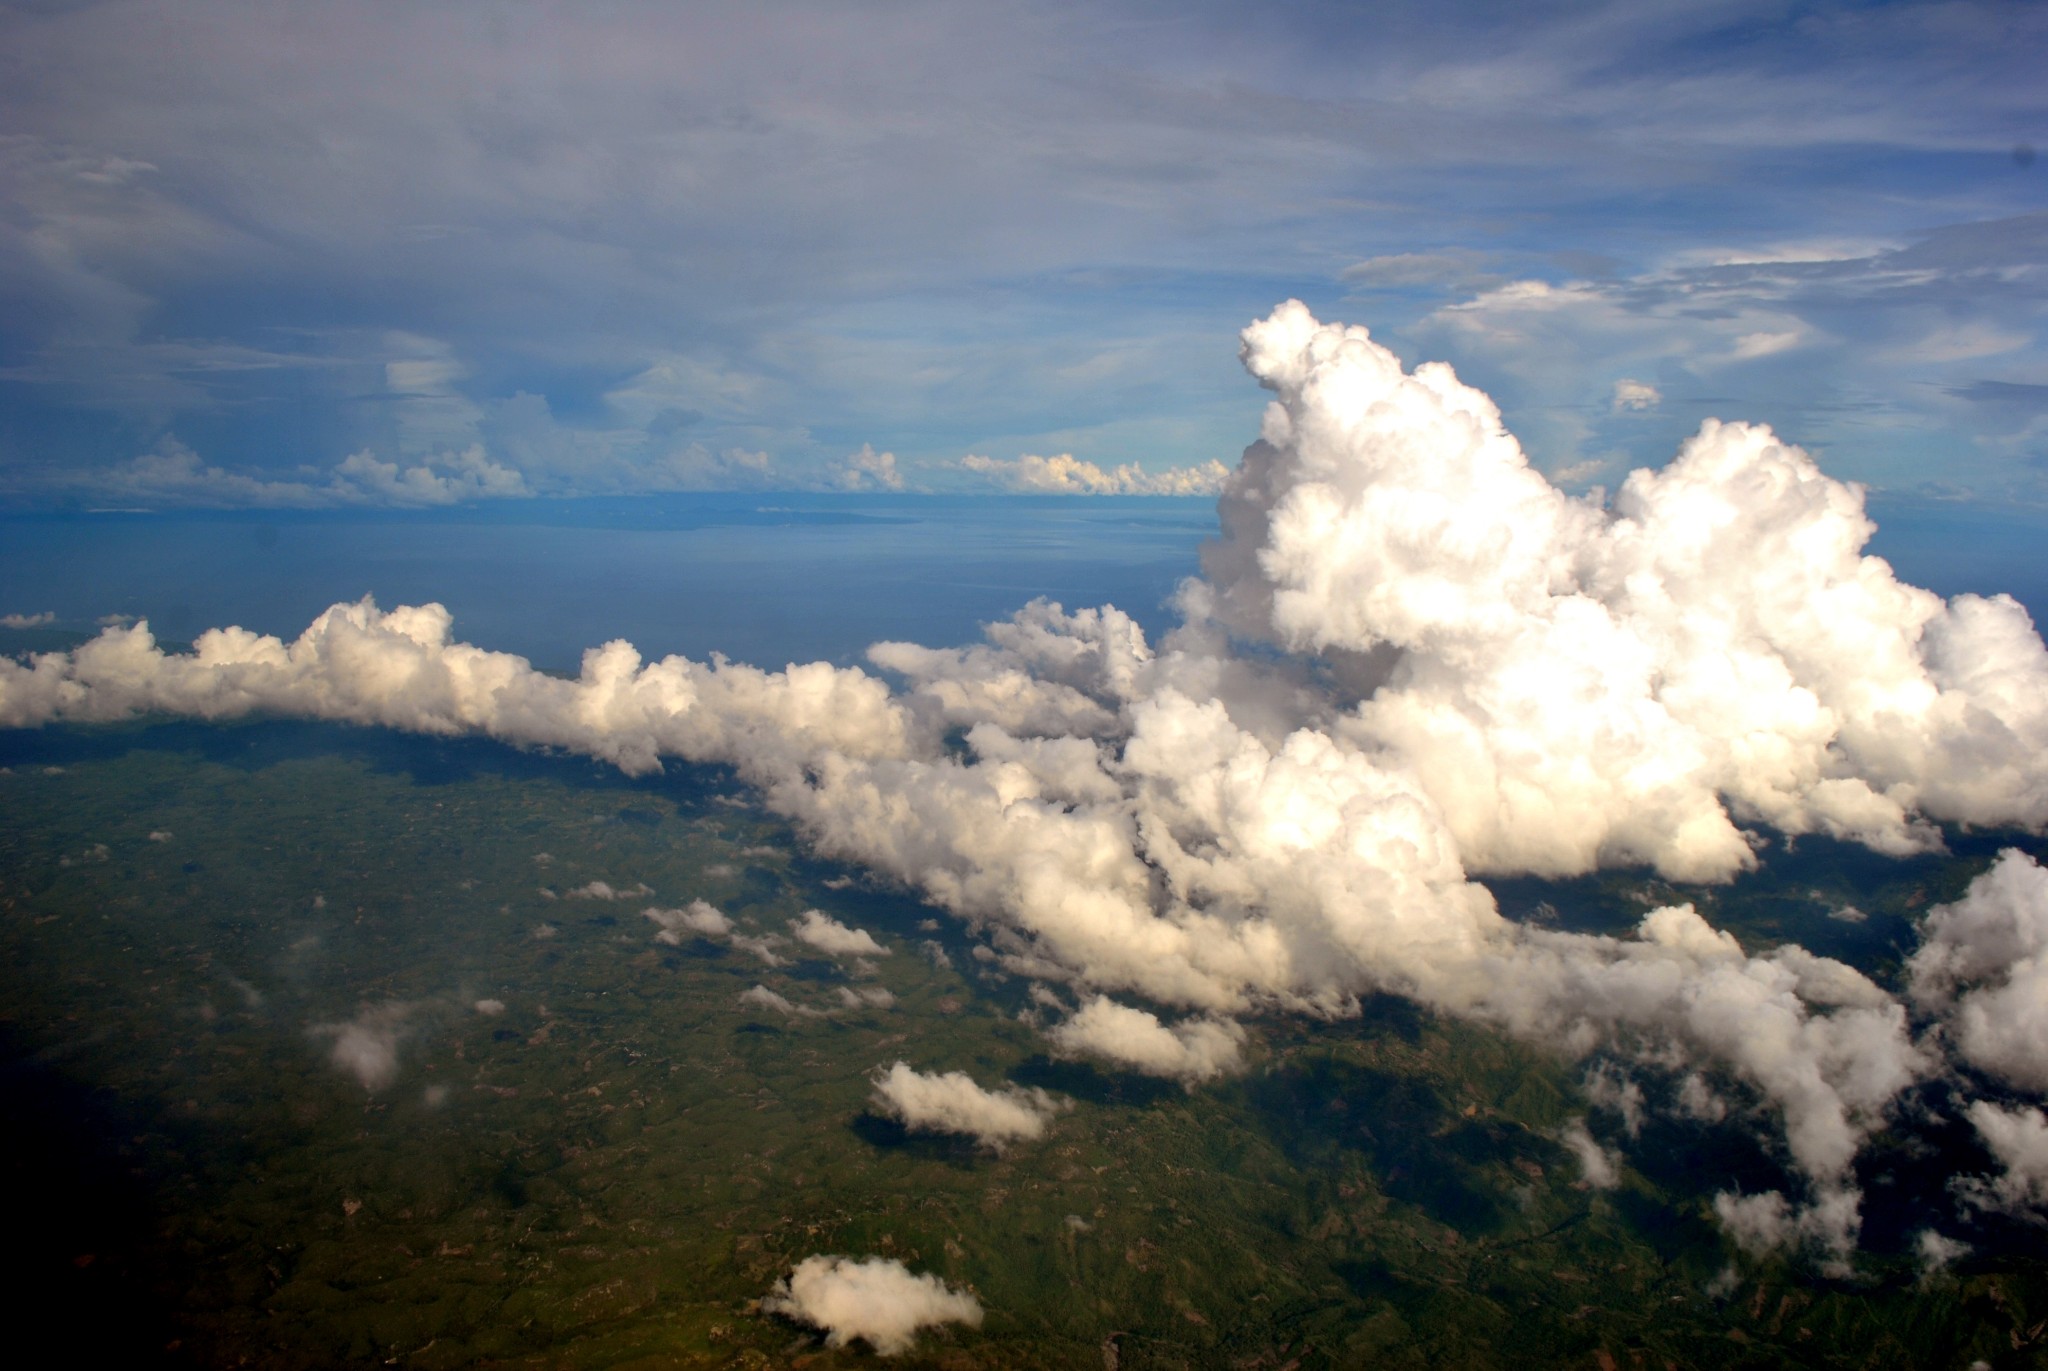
<point x="1409" y="660"/>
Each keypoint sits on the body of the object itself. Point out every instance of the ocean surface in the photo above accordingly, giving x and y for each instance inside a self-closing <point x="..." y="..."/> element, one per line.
<point x="763" y="579"/>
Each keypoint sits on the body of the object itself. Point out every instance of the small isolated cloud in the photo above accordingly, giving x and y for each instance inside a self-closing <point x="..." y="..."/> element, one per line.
<point x="1190" y="1051"/>
<point x="1765" y="1223"/>
<point x="866" y="997"/>
<point x="1452" y="267"/>
<point x="697" y="917"/>
<point x="1609" y="1087"/>
<point x="762" y="997"/>
<point x="489" y="1008"/>
<point x="869" y="470"/>
<point x="98" y="852"/>
<point x="817" y="929"/>
<point x="1595" y="1165"/>
<point x="1636" y="395"/>
<point x="1066" y="474"/>
<point x="953" y="1103"/>
<point x="604" y="890"/>
<point x="28" y="620"/>
<point x="878" y="1300"/>
<point x="366" y="1047"/>
<point x="1938" y="1252"/>
<point x="160" y="835"/>
<point x="1751" y="346"/>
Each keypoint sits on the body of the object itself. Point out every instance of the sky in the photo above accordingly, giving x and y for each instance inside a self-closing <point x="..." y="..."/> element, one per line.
<point x="381" y="254"/>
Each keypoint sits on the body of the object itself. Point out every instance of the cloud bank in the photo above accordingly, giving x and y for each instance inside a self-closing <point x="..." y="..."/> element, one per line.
<point x="1410" y="661"/>
<point x="878" y="1300"/>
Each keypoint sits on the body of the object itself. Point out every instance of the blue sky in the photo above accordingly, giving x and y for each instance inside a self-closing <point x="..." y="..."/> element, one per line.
<point x="388" y="253"/>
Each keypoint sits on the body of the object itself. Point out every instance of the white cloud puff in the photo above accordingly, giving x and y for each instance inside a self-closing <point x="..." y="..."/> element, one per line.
<point x="698" y="917"/>
<point x="2018" y="1138"/>
<point x="951" y="1102"/>
<point x="878" y="1300"/>
<point x="869" y="470"/>
<point x="815" y="928"/>
<point x="1193" y="1050"/>
<point x="1596" y="1166"/>
<point x="1636" y="395"/>
<point x="1984" y="964"/>
<point x="1767" y="1222"/>
<point x="761" y="997"/>
<point x="366" y="1047"/>
<point x="604" y="890"/>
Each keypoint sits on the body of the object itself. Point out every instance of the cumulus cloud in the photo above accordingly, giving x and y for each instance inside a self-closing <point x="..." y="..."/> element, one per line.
<point x="2018" y="1139"/>
<point x="604" y="890"/>
<point x="878" y="1300"/>
<point x="1595" y="1165"/>
<point x="1193" y="1050"/>
<point x="1984" y="966"/>
<point x="869" y="470"/>
<point x="952" y="1103"/>
<point x="1938" y="1252"/>
<point x="761" y="997"/>
<point x="1636" y="395"/>
<point x="28" y="620"/>
<point x="698" y="917"/>
<point x="1066" y="474"/>
<point x="817" y="929"/>
<point x="1766" y="1223"/>
<point x="1454" y="670"/>
<point x="366" y="1046"/>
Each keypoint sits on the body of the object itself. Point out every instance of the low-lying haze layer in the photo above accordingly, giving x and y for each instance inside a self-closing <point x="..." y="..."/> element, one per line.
<point x="1410" y="660"/>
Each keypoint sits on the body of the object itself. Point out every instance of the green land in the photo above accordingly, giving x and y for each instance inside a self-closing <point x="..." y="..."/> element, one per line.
<point x="615" y="1168"/>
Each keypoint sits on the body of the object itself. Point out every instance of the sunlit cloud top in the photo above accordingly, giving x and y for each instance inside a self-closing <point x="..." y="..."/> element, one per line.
<point x="382" y="254"/>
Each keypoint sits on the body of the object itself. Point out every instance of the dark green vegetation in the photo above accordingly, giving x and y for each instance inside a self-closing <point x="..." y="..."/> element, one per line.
<point x="613" y="1169"/>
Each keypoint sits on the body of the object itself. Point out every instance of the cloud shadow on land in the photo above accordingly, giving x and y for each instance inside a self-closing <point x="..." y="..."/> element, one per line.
<point x="885" y="1134"/>
<point x="1086" y="1081"/>
<point x="79" y="1216"/>
<point x="1320" y="1109"/>
<point x="252" y="745"/>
